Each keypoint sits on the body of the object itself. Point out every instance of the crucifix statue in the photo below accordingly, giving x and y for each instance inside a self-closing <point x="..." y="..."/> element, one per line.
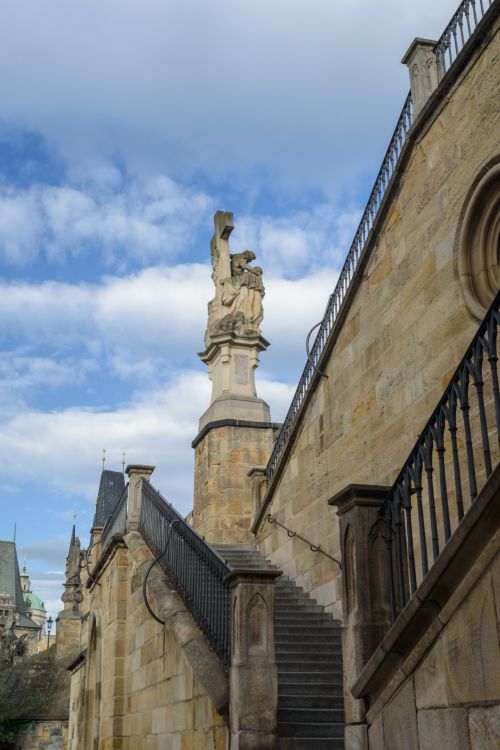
<point x="239" y="289"/>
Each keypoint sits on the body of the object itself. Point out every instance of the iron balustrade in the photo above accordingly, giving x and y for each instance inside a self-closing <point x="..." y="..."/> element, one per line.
<point x="117" y="521"/>
<point x="295" y="535"/>
<point x="461" y="441"/>
<point x="344" y="281"/>
<point x="195" y="569"/>
<point x="458" y="31"/>
<point x="461" y="27"/>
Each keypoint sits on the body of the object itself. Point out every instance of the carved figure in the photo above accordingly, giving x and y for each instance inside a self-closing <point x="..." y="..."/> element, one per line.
<point x="240" y="295"/>
<point x="73" y="563"/>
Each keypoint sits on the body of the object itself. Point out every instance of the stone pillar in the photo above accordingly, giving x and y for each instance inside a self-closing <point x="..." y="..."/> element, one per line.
<point x="235" y="433"/>
<point x="422" y="64"/>
<point x="253" y="691"/>
<point x="136" y="473"/>
<point x="68" y="621"/>
<point x="365" y="598"/>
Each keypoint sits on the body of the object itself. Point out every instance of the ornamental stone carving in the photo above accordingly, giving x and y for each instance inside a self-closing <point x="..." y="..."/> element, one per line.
<point x="239" y="289"/>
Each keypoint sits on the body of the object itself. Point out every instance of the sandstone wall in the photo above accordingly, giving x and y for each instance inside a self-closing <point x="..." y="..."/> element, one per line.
<point x="223" y="500"/>
<point x="451" y="699"/>
<point x="405" y="332"/>
<point x="136" y="690"/>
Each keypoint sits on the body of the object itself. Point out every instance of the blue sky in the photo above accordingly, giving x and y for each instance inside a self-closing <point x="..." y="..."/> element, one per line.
<point x="123" y="127"/>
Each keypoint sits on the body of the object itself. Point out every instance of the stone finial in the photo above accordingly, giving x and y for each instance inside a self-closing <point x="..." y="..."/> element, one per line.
<point x="136" y="473"/>
<point x="422" y="63"/>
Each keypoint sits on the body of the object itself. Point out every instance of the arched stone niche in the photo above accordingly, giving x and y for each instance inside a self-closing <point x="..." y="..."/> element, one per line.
<point x="479" y="243"/>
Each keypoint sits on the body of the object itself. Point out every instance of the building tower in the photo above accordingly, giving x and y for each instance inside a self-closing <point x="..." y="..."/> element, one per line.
<point x="235" y="433"/>
<point x="34" y="605"/>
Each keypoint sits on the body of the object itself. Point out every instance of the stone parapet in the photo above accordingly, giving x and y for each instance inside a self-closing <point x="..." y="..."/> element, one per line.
<point x="253" y="675"/>
<point x="365" y="600"/>
<point x="136" y="473"/>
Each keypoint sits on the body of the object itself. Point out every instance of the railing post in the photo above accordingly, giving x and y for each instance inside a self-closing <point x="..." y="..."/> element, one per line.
<point x="136" y="473"/>
<point x="365" y="594"/>
<point x="422" y="63"/>
<point x="253" y="680"/>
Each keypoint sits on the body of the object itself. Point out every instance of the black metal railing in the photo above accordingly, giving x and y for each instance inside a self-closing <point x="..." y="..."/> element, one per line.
<point x="345" y="278"/>
<point x="194" y="568"/>
<point x="448" y="466"/>
<point x="117" y="521"/>
<point x="295" y="535"/>
<point x="460" y="28"/>
<point x="458" y="32"/>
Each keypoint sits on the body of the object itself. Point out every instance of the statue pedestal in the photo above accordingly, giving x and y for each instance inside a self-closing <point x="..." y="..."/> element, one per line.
<point x="232" y="360"/>
<point x="235" y="435"/>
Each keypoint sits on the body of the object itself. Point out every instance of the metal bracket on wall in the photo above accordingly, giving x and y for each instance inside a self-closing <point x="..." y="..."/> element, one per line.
<point x="312" y="547"/>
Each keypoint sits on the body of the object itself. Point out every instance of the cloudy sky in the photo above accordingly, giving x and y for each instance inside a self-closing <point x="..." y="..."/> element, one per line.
<point x="123" y="126"/>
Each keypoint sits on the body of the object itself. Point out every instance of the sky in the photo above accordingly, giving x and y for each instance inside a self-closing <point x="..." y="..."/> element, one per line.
<point x="124" y="126"/>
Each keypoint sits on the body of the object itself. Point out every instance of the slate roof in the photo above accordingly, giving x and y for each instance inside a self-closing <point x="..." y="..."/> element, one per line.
<point x="111" y="487"/>
<point x="10" y="582"/>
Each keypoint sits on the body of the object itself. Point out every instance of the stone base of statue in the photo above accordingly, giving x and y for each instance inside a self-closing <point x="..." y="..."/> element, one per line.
<point x="235" y="433"/>
<point x="232" y="360"/>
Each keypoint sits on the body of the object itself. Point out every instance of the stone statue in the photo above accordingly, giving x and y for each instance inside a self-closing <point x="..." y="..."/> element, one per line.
<point x="239" y="289"/>
<point x="73" y="562"/>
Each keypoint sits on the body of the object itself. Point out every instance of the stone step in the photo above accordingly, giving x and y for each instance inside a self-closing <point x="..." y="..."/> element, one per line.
<point x="309" y="661"/>
<point x="287" y="607"/>
<point x="310" y="743"/>
<point x="307" y="630"/>
<point x="300" y="702"/>
<point x="293" y="641"/>
<point x="311" y="715"/>
<point x="303" y="689"/>
<point x="301" y="729"/>
<point x="319" y="651"/>
<point x="306" y="663"/>
<point x="324" y="677"/>
<point x="299" y="616"/>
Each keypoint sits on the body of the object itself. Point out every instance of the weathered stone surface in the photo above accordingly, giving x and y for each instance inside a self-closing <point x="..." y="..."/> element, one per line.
<point x="376" y="734"/>
<point x="464" y="664"/>
<point x="484" y="728"/>
<point x="400" y="720"/>
<point x="444" y="729"/>
<point x="253" y="676"/>
<point x="356" y="737"/>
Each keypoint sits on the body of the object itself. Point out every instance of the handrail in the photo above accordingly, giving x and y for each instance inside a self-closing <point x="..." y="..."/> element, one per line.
<point x="346" y="276"/>
<point x="465" y="447"/>
<point x="295" y="535"/>
<point x="457" y="33"/>
<point x="195" y="569"/>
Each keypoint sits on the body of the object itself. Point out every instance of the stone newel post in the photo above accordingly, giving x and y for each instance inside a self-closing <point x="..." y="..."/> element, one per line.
<point x="136" y="473"/>
<point x="365" y="599"/>
<point x="253" y="677"/>
<point x="423" y="68"/>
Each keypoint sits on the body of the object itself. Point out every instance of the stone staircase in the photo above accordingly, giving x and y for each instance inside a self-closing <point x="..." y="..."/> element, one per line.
<point x="309" y="662"/>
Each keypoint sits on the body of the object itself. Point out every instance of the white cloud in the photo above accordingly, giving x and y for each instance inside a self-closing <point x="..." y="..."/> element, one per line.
<point x="295" y="86"/>
<point x="142" y="326"/>
<point x="61" y="448"/>
<point x="144" y="220"/>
